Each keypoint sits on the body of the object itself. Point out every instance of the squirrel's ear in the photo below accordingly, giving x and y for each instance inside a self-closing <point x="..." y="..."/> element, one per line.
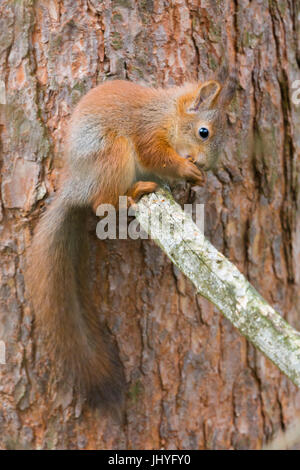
<point x="206" y="96"/>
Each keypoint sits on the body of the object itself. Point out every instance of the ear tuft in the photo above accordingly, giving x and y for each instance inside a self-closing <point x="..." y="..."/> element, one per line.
<point x="222" y="74"/>
<point x="207" y="95"/>
<point x="229" y="88"/>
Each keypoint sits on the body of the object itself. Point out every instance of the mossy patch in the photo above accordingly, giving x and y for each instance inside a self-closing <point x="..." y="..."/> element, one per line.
<point x="116" y="40"/>
<point x="135" y="391"/>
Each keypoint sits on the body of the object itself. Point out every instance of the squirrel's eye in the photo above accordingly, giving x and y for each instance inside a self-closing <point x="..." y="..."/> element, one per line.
<point x="204" y="133"/>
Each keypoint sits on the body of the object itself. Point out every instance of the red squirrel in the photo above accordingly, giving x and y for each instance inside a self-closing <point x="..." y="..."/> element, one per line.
<point x="123" y="138"/>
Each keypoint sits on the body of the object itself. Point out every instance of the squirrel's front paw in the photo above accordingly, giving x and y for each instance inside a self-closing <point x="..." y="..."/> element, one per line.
<point x="192" y="173"/>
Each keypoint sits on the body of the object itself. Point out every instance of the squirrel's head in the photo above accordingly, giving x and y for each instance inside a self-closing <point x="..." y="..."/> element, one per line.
<point x="199" y="132"/>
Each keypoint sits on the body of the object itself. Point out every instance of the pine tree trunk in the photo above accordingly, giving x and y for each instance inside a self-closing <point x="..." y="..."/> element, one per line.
<point x="193" y="381"/>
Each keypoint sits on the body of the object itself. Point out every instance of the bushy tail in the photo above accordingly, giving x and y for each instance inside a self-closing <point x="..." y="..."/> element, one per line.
<point x="77" y="344"/>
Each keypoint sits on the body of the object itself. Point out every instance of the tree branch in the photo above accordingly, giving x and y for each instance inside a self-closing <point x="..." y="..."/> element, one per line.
<point x="219" y="281"/>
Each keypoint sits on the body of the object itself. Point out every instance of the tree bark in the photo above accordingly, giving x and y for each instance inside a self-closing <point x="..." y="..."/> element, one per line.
<point x="193" y="380"/>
